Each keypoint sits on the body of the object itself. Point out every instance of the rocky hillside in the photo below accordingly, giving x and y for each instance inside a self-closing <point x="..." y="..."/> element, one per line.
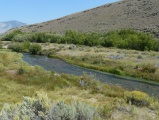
<point x="142" y="15"/>
<point x="5" y="26"/>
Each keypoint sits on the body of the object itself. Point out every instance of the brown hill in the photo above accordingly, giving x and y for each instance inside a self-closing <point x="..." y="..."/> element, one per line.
<point x="141" y="15"/>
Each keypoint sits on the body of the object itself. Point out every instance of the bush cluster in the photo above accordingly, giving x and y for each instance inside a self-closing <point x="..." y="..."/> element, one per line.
<point x="146" y="68"/>
<point x="25" y="47"/>
<point x="35" y="48"/>
<point x="40" y="108"/>
<point x="10" y="36"/>
<point x="125" y="39"/>
<point x="137" y="98"/>
<point x="19" y="47"/>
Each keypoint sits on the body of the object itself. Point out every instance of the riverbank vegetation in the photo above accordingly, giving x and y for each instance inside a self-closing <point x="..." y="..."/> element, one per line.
<point x="124" y="39"/>
<point x="142" y="65"/>
<point x="139" y="64"/>
<point x="25" y="47"/>
<point x="81" y="97"/>
<point x="99" y="54"/>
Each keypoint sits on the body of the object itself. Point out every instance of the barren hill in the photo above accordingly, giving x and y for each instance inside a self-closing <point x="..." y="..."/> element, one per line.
<point x="141" y="15"/>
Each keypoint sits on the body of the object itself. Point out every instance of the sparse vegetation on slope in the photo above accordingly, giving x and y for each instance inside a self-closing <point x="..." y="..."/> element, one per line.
<point x="141" y="15"/>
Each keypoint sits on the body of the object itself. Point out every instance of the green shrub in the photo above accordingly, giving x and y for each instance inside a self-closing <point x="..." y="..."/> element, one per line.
<point x="10" y="36"/>
<point x="137" y="98"/>
<point x="26" y="45"/>
<point x="35" y="48"/>
<point x="17" y="47"/>
<point x="139" y="57"/>
<point x="149" y="68"/>
<point x="21" y="71"/>
<point x="97" y="61"/>
<point x="130" y="39"/>
<point x="116" y="71"/>
<point x="146" y="68"/>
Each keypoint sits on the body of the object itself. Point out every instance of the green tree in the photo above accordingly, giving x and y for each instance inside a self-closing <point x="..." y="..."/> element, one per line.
<point x="11" y="35"/>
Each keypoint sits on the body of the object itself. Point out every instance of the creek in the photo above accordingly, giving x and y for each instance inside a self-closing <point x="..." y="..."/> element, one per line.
<point x="61" y="66"/>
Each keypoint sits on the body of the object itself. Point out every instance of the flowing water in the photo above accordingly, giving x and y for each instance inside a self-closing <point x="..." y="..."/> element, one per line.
<point x="61" y="66"/>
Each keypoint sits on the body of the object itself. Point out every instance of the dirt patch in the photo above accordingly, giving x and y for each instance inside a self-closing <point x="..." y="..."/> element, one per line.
<point x="12" y="72"/>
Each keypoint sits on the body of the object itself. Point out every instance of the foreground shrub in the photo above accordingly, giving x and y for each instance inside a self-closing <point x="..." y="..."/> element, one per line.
<point x="62" y="111"/>
<point x="40" y="108"/>
<point x="84" y="111"/>
<point x="30" y="109"/>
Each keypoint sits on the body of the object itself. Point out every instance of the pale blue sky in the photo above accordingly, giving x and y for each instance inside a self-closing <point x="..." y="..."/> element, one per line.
<point x="35" y="11"/>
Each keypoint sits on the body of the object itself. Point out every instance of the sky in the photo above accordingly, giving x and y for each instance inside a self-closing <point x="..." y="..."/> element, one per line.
<point x="36" y="11"/>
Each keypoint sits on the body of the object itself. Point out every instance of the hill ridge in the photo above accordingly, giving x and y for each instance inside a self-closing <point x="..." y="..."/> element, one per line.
<point x="7" y="25"/>
<point x="142" y="15"/>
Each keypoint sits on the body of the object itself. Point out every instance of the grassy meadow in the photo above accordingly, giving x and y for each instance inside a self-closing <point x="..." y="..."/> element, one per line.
<point x="18" y="79"/>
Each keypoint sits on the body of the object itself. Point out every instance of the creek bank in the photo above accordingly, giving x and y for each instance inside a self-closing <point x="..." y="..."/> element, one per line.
<point x="61" y="66"/>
